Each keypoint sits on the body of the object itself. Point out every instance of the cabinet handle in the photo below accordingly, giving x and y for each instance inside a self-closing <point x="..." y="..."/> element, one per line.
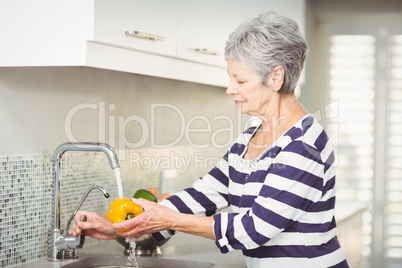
<point x="145" y="35"/>
<point x="207" y="51"/>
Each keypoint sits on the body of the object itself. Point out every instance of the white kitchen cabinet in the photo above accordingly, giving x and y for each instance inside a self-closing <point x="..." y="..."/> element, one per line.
<point x="92" y="33"/>
<point x="203" y="28"/>
<point x="45" y="20"/>
<point x="137" y="24"/>
<point x="294" y="9"/>
<point x="44" y="32"/>
<point x="102" y="21"/>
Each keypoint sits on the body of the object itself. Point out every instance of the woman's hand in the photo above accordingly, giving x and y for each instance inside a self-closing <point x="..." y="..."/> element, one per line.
<point x="155" y="218"/>
<point x="95" y="225"/>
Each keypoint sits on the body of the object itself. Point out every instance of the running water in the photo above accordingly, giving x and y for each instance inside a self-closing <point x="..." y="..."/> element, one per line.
<point x="131" y="251"/>
<point x="118" y="181"/>
<point x="130" y="241"/>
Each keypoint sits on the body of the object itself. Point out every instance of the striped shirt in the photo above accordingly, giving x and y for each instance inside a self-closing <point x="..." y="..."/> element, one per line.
<point x="282" y="203"/>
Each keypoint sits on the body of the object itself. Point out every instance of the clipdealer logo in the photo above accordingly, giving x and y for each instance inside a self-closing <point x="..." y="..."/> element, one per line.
<point x="112" y="128"/>
<point x="115" y="126"/>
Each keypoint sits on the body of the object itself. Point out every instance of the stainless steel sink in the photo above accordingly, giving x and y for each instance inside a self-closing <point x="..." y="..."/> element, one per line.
<point x="143" y="262"/>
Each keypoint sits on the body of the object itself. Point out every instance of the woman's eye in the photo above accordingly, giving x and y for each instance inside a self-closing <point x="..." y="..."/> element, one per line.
<point x="240" y="82"/>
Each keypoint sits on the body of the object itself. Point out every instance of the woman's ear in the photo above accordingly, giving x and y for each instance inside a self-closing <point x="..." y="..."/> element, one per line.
<point x="276" y="77"/>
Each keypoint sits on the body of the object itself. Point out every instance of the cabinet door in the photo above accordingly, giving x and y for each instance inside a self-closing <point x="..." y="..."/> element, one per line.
<point x="45" y="20"/>
<point x="116" y="22"/>
<point x="294" y="9"/>
<point x="203" y="27"/>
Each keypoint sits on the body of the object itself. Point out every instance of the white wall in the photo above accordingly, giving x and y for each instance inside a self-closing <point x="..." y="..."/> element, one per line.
<point x="36" y="101"/>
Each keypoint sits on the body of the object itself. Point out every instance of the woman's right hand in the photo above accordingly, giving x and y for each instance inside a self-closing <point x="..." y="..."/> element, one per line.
<point x="95" y="225"/>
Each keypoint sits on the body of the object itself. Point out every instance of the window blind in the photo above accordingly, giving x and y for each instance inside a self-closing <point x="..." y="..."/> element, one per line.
<point x="351" y="87"/>
<point x="393" y="210"/>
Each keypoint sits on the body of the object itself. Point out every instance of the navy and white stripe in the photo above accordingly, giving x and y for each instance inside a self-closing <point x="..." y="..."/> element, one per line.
<point x="282" y="203"/>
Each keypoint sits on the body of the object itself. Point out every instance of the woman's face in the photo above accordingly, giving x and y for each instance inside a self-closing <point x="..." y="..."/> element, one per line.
<point x="249" y="94"/>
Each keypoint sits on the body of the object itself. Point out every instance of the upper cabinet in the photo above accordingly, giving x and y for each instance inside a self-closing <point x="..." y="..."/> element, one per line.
<point x="203" y="27"/>
<point x="176" y="39"/>
<point x="149" y="26"/>
<point x="294" y="9"/>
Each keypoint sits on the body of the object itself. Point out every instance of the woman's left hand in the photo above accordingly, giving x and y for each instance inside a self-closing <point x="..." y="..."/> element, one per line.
<point x="155" y="218"/>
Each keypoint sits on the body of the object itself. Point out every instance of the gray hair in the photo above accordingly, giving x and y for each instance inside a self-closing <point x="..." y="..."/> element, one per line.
<point x="267" y="41"/>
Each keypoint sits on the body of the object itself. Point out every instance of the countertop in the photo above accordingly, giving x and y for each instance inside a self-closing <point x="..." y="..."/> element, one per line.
<point x="180" y="246"/>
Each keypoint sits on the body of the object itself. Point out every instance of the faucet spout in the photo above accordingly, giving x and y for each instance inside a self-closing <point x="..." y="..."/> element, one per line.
<point x="88" y="146"/>
<point x="55" y="229"/>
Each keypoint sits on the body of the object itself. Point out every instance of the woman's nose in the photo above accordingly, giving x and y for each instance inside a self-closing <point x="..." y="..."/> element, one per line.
<point x="231" y="89"/>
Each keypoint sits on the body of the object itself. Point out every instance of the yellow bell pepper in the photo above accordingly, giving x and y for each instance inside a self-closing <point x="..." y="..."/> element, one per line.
<point x="123" y="209"/>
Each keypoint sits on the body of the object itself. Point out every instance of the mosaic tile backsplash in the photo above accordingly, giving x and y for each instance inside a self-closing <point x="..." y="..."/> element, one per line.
<point x="26" y="190"/>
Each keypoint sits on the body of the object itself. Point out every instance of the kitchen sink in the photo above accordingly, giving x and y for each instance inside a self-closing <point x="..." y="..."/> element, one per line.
<point x="143" y="262"/>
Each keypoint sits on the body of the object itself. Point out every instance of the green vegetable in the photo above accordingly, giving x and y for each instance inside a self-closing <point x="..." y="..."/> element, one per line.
<point x="142" y="193"/>
<point x="129" y="216"/>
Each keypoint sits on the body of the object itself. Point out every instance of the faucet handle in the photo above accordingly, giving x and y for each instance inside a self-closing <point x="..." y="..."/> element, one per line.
<point x="82" y="235"/>
<point x="69" y="242"/>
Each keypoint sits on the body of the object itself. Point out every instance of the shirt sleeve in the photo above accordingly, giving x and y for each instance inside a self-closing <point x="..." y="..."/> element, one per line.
<point x="206" y="197"/>
<point x="288" y="191"/>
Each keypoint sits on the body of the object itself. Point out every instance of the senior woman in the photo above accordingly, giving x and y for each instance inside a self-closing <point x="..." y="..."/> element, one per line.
<point x="278" y="177"/>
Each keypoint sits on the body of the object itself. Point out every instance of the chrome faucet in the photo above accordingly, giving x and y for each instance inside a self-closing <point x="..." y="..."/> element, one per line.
<point x="58" y="242"/>
<point x="67" y="244"/>
<point x="82" y="202"/>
